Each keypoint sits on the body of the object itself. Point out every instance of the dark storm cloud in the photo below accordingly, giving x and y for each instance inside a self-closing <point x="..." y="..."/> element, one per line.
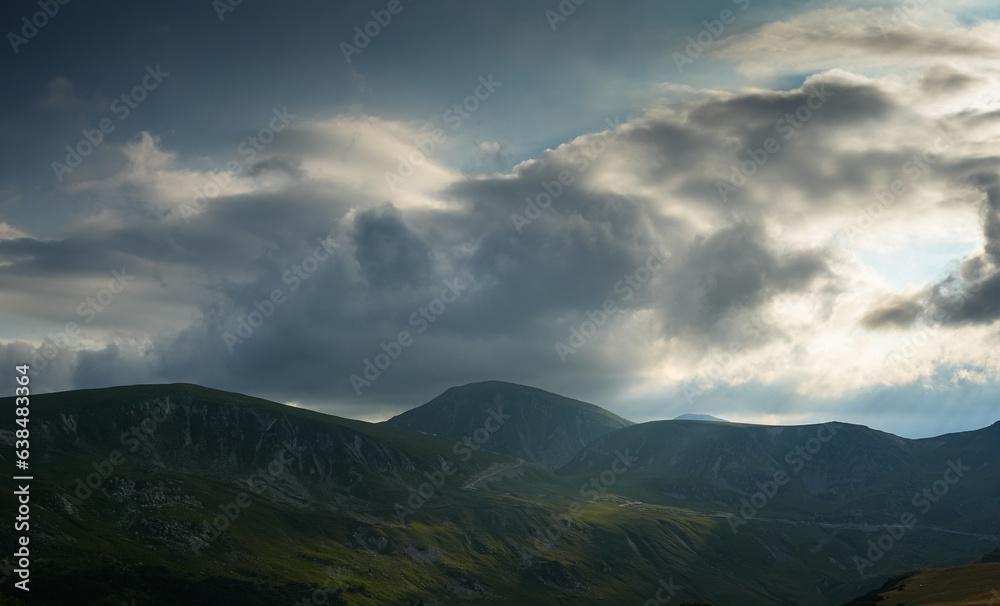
<point x="230" y="230"/>
<point x="920" y="41"/>
<point x="604" y="236"/>
<point x="973" y="294"/>
<point x="288" y="166"/>
<point x="236" y="242"/>
<point x="32" y="257"/>
<point x="523" y="289"/>
<point x="896" y="314"/>
<point x="109" y="366"/>
<point x="990" y="184"/>
<point x="670" y="149"/>
<point x="562" y="262"/>
<point x="389" y="254"/>
<point x="730" y="271"/>
<point x="58" y="372"/>
<point x="970" y="295"/>
<point x="806" y="126"/>
<point x="945" y="79"/>
<point x="841" y="103"/>
<point x="977" y="303"/>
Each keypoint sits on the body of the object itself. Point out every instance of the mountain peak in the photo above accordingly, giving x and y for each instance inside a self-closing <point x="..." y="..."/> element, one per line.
<point x="516" y="420"/>
<point x="691" y="416"/>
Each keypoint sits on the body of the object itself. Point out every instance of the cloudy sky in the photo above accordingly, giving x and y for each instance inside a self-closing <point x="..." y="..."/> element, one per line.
<point x="769" y="211"/>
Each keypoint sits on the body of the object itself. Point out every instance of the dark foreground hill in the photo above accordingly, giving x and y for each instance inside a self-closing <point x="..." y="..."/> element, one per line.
<point x="176" y="494"/>
<point x="970" y="585"/>
<point x="523" y="422"/>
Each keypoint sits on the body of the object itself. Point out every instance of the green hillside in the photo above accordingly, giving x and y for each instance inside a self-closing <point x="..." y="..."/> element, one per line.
<point x="342" y="511"/>
<point x="971" y="585"/>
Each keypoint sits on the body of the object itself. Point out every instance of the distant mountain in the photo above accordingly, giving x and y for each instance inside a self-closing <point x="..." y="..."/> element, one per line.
<point x="519" y="421"/>
<point x="834" y="472"/>
<point x="699" y="417"/>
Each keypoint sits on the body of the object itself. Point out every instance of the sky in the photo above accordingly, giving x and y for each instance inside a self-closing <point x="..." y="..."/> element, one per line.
<point x="768" y="211"/>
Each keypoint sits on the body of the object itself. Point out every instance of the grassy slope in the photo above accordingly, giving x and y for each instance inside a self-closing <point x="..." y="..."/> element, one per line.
<point x="971" y="585"/>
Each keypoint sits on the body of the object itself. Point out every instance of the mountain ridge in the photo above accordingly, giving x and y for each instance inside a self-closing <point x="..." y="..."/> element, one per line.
<point x="380" y="514"/>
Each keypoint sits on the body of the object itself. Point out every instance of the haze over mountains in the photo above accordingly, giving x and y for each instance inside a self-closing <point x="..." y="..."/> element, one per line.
<point x="177" y="494"/>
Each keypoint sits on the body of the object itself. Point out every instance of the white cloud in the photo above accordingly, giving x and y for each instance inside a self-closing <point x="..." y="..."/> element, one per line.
<point x="879" y="40"/>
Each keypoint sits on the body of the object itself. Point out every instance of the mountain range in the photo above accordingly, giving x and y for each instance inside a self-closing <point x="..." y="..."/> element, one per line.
<point x="492" y="492"/>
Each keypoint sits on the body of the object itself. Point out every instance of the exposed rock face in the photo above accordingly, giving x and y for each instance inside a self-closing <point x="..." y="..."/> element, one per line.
<point x="295" y="457"/>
